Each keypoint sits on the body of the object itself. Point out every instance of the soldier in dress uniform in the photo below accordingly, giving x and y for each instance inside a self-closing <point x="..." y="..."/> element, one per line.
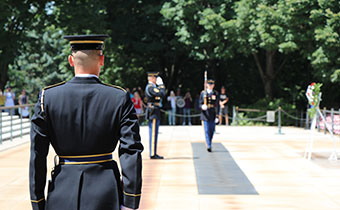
<point x="209" y="105"/>
<point x="154" y="92"/>
<point x="84" y="120"/>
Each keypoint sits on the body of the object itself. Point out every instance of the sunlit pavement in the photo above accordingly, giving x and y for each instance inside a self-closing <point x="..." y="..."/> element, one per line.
<point x="256" y="168"/>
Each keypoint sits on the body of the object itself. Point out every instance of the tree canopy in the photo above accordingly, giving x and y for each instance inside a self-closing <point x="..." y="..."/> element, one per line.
<point x="255" y="48"/>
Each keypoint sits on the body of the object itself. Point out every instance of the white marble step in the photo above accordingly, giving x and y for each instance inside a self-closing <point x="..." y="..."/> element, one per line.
<point x="4" y="113"/>
<point x="15" y="127"/>
<point x="15" y="122"/>
<point x="8" y="118"/>
<point x="7" y="136"/>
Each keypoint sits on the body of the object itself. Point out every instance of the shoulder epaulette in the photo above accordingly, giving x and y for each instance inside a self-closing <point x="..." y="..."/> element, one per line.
<point x="115" y="86"/>
<point x="43" y="91"/>
<point x="55" y="85"/>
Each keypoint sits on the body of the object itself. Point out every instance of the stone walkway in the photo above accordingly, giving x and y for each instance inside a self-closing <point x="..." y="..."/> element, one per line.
<point x="268" y="167"/>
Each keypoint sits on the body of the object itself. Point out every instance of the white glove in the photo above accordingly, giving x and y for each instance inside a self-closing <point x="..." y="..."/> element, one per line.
<point x="216" y="120"/>
<point x="159" y="81"/>
<point x="204" y="107"/>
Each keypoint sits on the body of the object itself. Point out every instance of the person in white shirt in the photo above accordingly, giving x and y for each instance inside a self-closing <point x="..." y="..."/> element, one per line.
<point x="172" y="112"/>
<point x="10" y="96"/>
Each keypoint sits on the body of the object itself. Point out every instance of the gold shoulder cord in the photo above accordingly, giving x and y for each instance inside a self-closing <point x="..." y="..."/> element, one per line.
<point x="37" y="201"/>
<point x="42" y="100"/>
<point x="43" y="93"/>
<point x="133" y="195"/>
<point x="115" y="86"/>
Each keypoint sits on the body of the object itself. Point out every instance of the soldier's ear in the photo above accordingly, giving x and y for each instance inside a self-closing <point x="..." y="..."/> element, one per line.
<point x="70" y="60"/>
<point x="101" y="60"/>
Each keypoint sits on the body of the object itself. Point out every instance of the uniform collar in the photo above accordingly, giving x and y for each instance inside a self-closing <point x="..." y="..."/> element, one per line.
<point x="85" y="80"/>
<point x="86" y="75"/>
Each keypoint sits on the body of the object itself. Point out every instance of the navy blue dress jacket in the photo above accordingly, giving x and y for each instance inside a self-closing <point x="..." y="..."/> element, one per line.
<point x="84" y="117"/>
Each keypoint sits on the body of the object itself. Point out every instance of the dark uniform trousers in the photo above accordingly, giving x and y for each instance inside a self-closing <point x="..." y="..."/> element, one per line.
<point x="153" y="94"/>
<point x="208" y="116"/>
<point x="84" y="120"/>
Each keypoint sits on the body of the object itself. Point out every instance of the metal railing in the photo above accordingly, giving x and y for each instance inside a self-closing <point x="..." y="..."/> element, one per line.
<point x="236" y="118"/>
<point x="12" y="122"/>
<point x="332" y="118"/>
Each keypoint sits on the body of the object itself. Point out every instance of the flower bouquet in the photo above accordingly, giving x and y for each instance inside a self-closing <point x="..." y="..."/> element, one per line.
<point x="313" y="95"/>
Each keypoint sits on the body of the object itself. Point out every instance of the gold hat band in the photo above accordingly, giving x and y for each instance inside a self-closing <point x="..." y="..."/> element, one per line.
<point x="86" y="42"/>
<point x="153" y="74"/>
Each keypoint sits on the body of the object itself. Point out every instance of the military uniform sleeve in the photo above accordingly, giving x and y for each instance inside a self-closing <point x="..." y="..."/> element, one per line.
<point x="39" y="150"/>
<point x="217" y="104"/>
<point x="162" y="89"/>
<point x="130" y="150"/>
<point x="152" y="91"/>
<point x="201" y="101"/>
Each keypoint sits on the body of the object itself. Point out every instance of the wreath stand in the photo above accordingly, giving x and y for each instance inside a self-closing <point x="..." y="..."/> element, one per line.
<point x="309" y="147"/>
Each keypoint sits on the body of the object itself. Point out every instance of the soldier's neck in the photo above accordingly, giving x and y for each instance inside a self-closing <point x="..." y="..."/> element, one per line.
<point x="79" y="71"/>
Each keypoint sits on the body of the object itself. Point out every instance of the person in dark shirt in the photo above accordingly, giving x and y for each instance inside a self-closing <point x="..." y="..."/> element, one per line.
<point x="223" y="106"/>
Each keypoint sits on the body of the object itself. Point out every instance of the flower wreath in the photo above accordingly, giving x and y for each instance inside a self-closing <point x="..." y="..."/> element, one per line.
<point x="313" y="96"/>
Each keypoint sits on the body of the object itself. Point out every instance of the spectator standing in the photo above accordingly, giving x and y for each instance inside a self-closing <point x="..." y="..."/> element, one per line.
<point x="130" y="94"/>
<point x="10" y="97"/>
<point x="141" y="92"/>
<point x="223" y="106"/>
<point x="138" y="103"/>
<point x="172" y="112"/>
<point x="179" y="108"/>
<point x="2" y="98"/>
<point x="186" y="110"/>
<point x="23" y="99"/>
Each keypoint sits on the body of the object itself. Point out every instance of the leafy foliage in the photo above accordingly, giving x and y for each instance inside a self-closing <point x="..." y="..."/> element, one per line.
<point x="40" y="62"/>
<point x="15" y="19"/>
<point x="258" y="49"/>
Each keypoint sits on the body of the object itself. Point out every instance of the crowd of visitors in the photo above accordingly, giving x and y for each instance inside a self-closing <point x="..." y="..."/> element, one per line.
<point x="178" y="107"/>
<point x="8" y="99"/>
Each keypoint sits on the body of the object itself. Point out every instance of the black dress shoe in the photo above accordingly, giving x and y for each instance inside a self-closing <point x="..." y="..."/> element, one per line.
<point x="209" y="149"/>
<point x="157" y="157"/>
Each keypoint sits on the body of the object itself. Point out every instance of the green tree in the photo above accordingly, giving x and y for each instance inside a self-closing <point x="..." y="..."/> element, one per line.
<point x="42" y="61"/>
<point x="139" y="41"/>
<point x="325" y="57"/>
<point x="16" y="18"/>
<point x="253" y="47"/>
<point x="259" y="28"/>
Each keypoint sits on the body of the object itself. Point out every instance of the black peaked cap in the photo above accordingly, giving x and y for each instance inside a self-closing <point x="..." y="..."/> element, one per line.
<point x="87" y="42"/>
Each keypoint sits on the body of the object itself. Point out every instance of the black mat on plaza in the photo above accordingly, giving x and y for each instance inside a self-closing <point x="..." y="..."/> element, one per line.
<point x="218" y="173"/>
